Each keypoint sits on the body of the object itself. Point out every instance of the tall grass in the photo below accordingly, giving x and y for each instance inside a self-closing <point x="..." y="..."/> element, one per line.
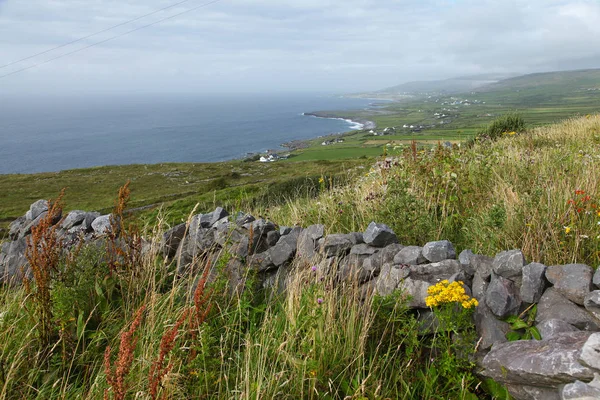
<point x="536" y="190"/>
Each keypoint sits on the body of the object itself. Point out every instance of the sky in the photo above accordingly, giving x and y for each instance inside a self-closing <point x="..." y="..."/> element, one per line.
<point x="263" y="46"/>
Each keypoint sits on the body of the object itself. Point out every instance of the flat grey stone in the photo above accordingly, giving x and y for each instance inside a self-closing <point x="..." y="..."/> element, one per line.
<point x="171" y="240"/>
<point x="208" y="220"/>
<point x="379" y="235"/>
<point x="526" y="392"/>
<point x="574" y="281"/>
<point x="534" y="282"/>
<point x="553" y="327"/>
<point x="307" y="241"/>
<point x="596" y="278"/>
<point x="591" y="302"/>
<point x="502" y="297"/>
<point x="410" y="255"/>
<point x="416" y="290"/>
<point x="439" y="251"/>
<point x="363" y="249"/>
<point x="15" y="227"/>
<point x="542" y="363"/>
<point x="435" y="272"/>
<point x="243" y="218"/>
<point x="73" y="218"/>
<point x="272" y="238"/>
<point x="509" y="264"/>
<point x="465" y="261"/>
<point x="479" y="287"/>
<point x="284" y="230"/>
<point x="554" y="305"/>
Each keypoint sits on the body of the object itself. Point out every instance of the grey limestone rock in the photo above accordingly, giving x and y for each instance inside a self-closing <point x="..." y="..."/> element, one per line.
<point x="482" y="265"/>
<point x="13" y="263"/>
<point x="502" y="297"/>
<point x="37" y="208"/>
<point x="284" y="230"/>
<point x="479" y="287"/>
<point x="596" y="278"/>
<point x="336" y="245"/>
<point x="416" y="290"/>
<point x="390" y="277"/>
<point x="379" y="235"/>
<point x="73" y="218"/>
<point x="579" y="391"/>
<point x="490" y="329"/>
<point x="439" y="251"/>
<point x="509" y="264"/>
<point x="307" y="241"/>
<point x="534" y="282"/>
<point x="553" y="327"/>
<point x="465" y="261"/>
<point x="591" y="302"/>
<point x="171" y="240"/>
<point x="363" y="249"/>
<point x="542" y="363"/>
<point x="285" y="248"/>
<point x="243" y="218"/>
<point x="526" y="392"/>
<point x="574" y="281"/>
<point x="208" y="220"/>
<point x="435" y="272"/>
<point x="590" y="352"/>
<point x="410" y="255"/>
<point x="273" y="237"/>
<point x="553" y="305"/>
<point x="101" y="225"/>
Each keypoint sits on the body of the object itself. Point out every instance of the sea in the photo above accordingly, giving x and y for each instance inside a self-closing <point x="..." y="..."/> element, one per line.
<point x="46" y="134"/>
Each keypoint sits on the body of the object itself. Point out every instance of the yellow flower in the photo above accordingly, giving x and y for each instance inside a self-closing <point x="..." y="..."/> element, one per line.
<point x="321" y="180"/>
<point x="445" y="292"/>
<point x="567" y="229"/>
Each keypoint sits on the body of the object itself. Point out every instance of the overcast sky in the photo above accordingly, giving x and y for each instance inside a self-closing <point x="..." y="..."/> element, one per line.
<point x="290" y="45"/>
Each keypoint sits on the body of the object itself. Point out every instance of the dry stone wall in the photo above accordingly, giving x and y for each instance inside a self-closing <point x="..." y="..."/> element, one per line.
<point x="563" y="365"/>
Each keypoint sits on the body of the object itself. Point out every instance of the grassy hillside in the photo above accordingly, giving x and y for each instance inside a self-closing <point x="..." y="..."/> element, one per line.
<point x="138" y="330"/>
<point x="541" y="98"/>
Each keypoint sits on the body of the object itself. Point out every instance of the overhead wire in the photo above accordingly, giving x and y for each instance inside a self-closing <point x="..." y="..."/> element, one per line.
<point x="93" y="34"/>
<point x="110" y="38"/>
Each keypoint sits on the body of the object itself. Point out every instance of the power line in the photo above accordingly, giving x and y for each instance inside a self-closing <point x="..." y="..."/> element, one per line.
<point x="110" y="38"/>
<point x="93" y="34"/>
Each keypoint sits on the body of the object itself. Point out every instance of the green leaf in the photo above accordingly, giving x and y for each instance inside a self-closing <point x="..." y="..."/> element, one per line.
<point x="512" y="319"/>
<point x="513" y="336"/>
<point x="535" y="333"/>
<point x="80" y="325"/>
<point x="519" y="324"/>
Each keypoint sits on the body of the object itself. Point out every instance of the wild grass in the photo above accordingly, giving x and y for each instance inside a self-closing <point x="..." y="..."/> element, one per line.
<point x="536" y="190"/>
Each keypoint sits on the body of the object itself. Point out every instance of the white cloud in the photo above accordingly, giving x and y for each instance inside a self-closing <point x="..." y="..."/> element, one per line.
<point x="336" y="45"/>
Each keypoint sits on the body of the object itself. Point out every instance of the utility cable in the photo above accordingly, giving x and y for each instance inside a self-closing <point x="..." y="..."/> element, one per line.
<point x="93" y="34"/>
<point x="110" y="38"/>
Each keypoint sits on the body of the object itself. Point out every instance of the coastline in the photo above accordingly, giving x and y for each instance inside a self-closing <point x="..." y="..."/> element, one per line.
<point x="355" y="124"/>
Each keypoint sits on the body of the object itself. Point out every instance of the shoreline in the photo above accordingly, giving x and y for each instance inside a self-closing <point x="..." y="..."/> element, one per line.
<point x="355" y="124"/>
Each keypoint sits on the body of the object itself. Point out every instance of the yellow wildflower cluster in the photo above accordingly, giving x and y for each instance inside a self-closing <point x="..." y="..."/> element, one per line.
<point x="511" y="133"/>
<point x="446" y="292"/>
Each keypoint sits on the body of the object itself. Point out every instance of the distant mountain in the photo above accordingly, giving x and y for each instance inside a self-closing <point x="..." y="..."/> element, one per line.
<point x="452" y="85"/>
<point x="558" y="80"/>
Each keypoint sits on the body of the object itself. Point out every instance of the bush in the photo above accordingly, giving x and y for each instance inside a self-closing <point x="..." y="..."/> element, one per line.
<point x="507" y="124"/>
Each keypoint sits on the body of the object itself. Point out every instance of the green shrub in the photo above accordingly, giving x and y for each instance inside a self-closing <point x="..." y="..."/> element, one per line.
<point x="506" y="124"/>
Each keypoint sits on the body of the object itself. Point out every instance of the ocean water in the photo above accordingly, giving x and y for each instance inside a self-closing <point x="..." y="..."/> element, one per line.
<point x="52" y="134"/>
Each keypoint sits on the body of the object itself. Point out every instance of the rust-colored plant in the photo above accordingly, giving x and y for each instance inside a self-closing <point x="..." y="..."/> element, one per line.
<point x="158" y="370"/>
<point x="115" y="375"/>
<point x="43" y="254"/>
<point x="124" y="245"/>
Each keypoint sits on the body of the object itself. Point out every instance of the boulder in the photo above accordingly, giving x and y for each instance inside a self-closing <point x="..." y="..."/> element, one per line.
<point x="490" y="329"/>
<point x="435" y="272"/>
<point x="273" y="238"/>
<point x="336" y="245"/>
<point x="15" y="227"/>
<point x="101" y="225"/>
<point x="284" y="230"/>
<point x="553" y="305"/>
<point x="543" y="363"/>
<point x="509" y="264"/>
<point x="596" y="278"/>
<point x="171" y="240"/>
<point x="534" y="282"/>
<point x="465" y="261"/>
<point x="590" y="352"/>
<point x="379" y="235"/>
<point x="307" y="241"/>
<point x="410" y="255"/>
<point x="553" y="327"/>
<point x="574" y="281"/>
<point x="13" y="263"/>
<point x="208" y="220"/>
<point x="479" y="287"/>
<point x="73" y="218"/>
<point x="591" y="302"/>
<point x="37" y="208"/>
<point x="439" y="251"/>
<point x="242" y="218"/>
<point x="284" y="250"/>
<point x="483" y="265"/>
<point x="390" y="277"/>
<point x="502" y="297"/>
<point x="416" y="290"/>
<point x="579" y="391"/>
<point x="526" y="392"/>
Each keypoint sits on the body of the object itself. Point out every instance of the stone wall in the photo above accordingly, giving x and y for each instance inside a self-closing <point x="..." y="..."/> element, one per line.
<point x="563" y="365"/>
